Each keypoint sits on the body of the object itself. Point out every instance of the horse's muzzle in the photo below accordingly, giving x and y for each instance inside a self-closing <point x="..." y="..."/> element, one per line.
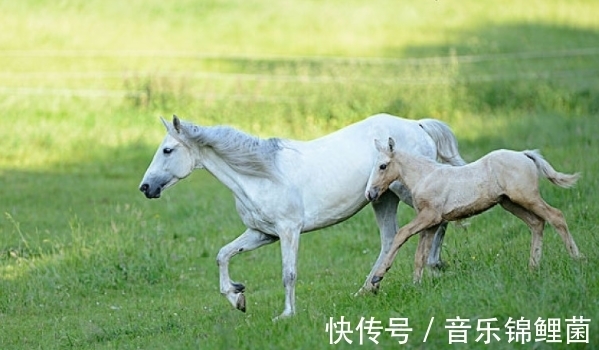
<point x="372" y="194"/>
<point x="148" y="192"/>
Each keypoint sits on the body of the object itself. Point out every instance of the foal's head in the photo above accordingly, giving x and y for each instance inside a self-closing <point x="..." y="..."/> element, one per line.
<point x="173" y="161"/>
<point x="384" y="172"/>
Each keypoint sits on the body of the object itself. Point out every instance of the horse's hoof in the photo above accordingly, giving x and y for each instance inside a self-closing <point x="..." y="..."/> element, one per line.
<point x="283" y="316"/>
<point x="376" y="279"/>
<point x="366" y="289"/>
<point x="438" y="266"/>
<point x="362" y="292"/>
<point x="239" y="288"/>
<point x="240" y="302"/>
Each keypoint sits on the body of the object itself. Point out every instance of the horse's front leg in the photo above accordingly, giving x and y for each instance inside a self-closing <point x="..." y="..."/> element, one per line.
<point x="249" y="240"/>
<point x="289" y="250"/>
<point x="385" y="211"/>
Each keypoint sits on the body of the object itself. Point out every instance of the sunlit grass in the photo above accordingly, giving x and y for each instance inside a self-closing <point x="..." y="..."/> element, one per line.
<point x="287" y="28"/>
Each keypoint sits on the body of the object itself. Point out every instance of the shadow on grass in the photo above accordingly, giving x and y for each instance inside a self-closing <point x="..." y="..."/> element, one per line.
<point x="71" y="236"/>
<point x="528" y="67"/>
<point x="92" y="209"/>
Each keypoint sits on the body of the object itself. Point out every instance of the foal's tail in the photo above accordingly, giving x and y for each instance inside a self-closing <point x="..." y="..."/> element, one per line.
<point x="546" y="170"/>
<point x="447" y="145"/>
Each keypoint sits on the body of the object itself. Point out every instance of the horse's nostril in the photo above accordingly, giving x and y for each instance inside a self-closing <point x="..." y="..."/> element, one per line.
<point x="372" y="194"/>
<point x="144" y="188"/>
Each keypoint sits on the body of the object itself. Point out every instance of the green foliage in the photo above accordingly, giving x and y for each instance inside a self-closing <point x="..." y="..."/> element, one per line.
<point x="87" y="262"/>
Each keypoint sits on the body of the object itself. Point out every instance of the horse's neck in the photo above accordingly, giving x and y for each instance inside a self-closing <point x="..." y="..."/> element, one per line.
<point x="413" y="168"/>
<point x="240" y="184"/>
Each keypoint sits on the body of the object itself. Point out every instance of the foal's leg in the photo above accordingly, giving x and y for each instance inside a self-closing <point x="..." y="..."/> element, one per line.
<point x="555" y="217"/>
<point x="536" y="225"/>
<point x="248" y="240"/>
<point x="385" y="211"/>
<point x="424" y="219"/>
<point x="434" y="257"/>
<point x="427" y="237"/>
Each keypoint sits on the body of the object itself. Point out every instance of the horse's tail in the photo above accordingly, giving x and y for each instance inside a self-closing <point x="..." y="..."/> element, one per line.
<point x="546" y="170"/>
<point x="445" y="140"/>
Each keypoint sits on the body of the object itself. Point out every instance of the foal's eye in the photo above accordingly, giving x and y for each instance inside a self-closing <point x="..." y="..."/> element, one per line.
<point x="383" y="166"/>
<point x="167" y="150"/>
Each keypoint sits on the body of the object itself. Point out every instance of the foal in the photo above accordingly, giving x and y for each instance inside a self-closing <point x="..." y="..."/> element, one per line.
<point x="444" y="193"/>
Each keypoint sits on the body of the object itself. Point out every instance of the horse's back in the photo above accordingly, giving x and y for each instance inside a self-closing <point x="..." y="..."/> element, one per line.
<point x="360" y="136"/>
<point x="407" y="133"/>
<point x="331" y="172"/>
<point x="508" y="159"/>
<point x="373" y="126"/>
<point x="512" y="170"/>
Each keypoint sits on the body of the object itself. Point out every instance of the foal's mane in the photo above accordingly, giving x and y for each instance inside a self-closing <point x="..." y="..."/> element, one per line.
<point x="245" y="153"/>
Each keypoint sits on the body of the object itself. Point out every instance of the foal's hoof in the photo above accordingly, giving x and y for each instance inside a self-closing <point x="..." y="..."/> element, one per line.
<point x="362" y="291"/>
<point x="241" y="302"/>
<point x="376" y="280"/>
<point x="367" y="288"/>
<point x="580" y="257"/>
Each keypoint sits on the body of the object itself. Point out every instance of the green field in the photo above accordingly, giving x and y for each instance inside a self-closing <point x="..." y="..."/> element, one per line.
<point x="87" y="262"/>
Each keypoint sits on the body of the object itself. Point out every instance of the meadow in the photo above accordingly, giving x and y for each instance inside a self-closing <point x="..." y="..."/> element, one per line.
<point x="87" y="262"/>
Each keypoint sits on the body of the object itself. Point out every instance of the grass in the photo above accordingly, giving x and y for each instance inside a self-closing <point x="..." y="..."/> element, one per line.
<point x="87" y="262"/>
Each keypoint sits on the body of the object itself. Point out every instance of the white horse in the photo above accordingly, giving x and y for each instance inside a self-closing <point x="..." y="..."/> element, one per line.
<point x="441" y="193"/>
<point x="283" y="188"/>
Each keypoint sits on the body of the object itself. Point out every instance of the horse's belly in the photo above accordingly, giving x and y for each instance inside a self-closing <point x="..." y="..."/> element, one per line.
<point x="463" y="207"/>
<point x="315" y="219"/>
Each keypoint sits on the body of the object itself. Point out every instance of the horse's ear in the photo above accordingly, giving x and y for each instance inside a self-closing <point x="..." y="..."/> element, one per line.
<point x="166" y="125"/>
<point x="378" y="145"/>
<point x="177" y="124"/>
<point x="185" y="130"/>
<point x="391" y="144"/>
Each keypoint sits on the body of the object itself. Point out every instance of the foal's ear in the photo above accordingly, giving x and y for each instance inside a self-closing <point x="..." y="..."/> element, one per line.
<point x="391" y="144"/>
<point x="378" y="145"/>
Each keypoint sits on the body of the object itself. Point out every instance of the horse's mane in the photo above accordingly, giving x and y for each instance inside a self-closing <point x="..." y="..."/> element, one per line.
<point x="245" y="153"/>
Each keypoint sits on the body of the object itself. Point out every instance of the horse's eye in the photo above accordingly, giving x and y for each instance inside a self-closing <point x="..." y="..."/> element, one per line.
<point x="167" y="150"/>
<point x="383" y="166"/>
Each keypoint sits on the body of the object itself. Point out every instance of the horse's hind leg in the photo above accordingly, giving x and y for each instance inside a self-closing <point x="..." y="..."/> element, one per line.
<point x="434" y="257"/>
<point x="249" y="240"/>
<point x="536" y="225"/>
<point x="385" y="211"/>
<point x="555" y="217"/>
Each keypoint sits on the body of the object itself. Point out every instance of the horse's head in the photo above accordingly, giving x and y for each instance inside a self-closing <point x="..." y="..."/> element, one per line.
<point x="383" y="172"/>
<point x="174" y="160"/>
